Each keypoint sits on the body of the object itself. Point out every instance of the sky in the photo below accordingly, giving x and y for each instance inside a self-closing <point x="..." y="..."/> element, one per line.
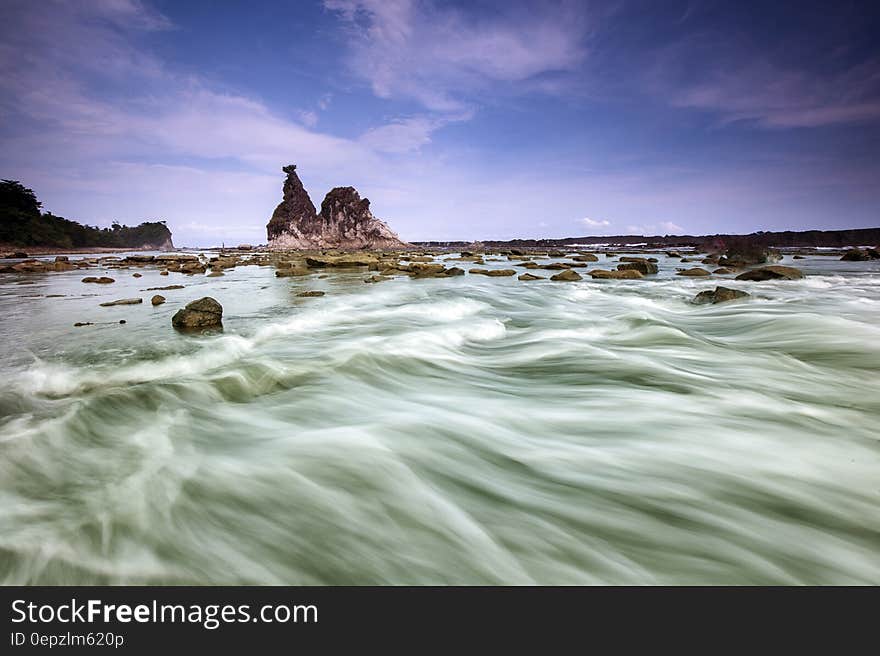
<point x="458" y="120"/>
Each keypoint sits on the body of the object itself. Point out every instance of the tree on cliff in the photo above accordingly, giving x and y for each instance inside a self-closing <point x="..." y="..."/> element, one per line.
<point x="22" y="224"/>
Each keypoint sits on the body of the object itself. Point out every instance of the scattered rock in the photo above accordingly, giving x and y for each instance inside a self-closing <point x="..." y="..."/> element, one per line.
<point x="200" y="314"/>
<point x="626" y="274"/>
<point x="695" y="271"/>
<point x="162" y="289"/>
<point x="567" y="275"/>
<point x="163" y="272"/>
<point x="722" y="272"/>
<point x="122" y="321"/>
<point x="123" y="301"/>
<point x="644" y="267"/>
<point x="310" y="294"/>
<point x="857" y="255"/>
<point x="744" y="252"/>
<point x="158" y="299"/>
<point x="83" y="323"/>
<point x="102" y="280"/>
<point x="215" y="274"/>
<point x="773" y="272"/>
<point x="136" y="275"/>
<point x="530" y="276"/>
<point x="585" y="257"/>
<point x="295" y="271"/>
<point x="799" y="257"/>
<point x="719" y="295"/>
<point x="493" y="272"/>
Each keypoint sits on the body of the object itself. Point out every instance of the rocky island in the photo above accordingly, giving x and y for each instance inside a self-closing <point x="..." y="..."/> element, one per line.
<point x="344" y="222"/>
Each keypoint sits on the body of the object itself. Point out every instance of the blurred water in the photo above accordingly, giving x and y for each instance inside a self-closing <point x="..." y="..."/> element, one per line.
<point x="466" y="430"/>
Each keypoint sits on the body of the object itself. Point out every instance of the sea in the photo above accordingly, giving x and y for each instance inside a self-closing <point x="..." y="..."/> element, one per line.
<point x="469" y="430"/>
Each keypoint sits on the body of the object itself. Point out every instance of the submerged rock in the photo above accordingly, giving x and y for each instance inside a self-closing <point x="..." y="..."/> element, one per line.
<point x="644" y="267"/>
<point x="292" y="271"/>
<point x="161" y="289"/>
<point x="123" y="301"/>
<point x="493" y="272"/>
<point x="79" y="324"/>
<point x="626" y="274"/>
<point x="102" y="280"/>
<point x="773" y="272"/>
<point x="722" y="272"/>
<point x="719" y="295"/>
<point x="567" y="276"/>
<point x="311" y="294"/>
<point x="200" y="314"/>
<point x="529" y="276"/>
<point x="857" y="255"/>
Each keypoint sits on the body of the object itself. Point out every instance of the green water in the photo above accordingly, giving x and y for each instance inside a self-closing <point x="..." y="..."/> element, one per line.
<point x="467" y="430"/>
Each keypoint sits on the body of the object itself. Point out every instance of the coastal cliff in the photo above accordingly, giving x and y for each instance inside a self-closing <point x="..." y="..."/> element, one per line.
<point x="345" y="220"/>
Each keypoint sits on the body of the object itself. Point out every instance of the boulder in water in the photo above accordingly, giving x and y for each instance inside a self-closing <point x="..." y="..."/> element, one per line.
<point x="773" y="272"/>
<point x="626" y="274"/>
<point x="102" y="280"/>
<point x="567" y="276"/>
<point x="123" y="301"/>
<point x="644" y="267"/>
<point x="719" y="295"/>
<point x="310" y="294"/>
<point x="530" y="276"/>
<point x="158" y="299"/>
<point x="855" y="255"/>
<point x="202" y="314"/>
<point x="495" y="273"/>
<point x="694" y="271"/>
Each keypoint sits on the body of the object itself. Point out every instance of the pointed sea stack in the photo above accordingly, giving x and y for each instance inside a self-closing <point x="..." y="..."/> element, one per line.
<point x="345" y="221"/>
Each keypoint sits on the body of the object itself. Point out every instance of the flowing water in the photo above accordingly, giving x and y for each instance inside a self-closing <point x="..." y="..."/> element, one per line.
<point x="466" y="430"/>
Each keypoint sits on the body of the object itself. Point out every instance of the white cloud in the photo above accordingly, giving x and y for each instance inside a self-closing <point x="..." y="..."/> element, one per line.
<point x="595" y="223"/>
<point x="437" y="56"/>
<point x="651" y="229"/>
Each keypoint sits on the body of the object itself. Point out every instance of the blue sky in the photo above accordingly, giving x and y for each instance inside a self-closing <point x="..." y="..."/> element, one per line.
<point x="460" y="120"/>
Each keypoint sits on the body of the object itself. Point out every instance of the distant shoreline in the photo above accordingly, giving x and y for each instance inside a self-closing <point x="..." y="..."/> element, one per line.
<point x="6" y="249"/>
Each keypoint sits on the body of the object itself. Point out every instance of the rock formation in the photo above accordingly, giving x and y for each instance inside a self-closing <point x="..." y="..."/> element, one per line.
<point x="345" y="221"/>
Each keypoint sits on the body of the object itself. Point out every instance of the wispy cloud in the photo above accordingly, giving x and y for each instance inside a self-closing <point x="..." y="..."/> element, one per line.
<point x="595" y="223"/>
<point x="440" y="57"/>
<point x="650" y="229"/>
<point x="814" y="77"/>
